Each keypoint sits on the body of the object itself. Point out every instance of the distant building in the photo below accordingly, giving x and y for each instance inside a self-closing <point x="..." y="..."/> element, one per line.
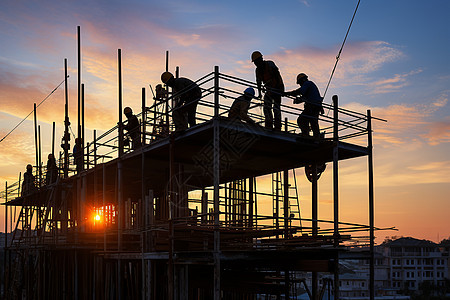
<point x="402" y="266"/>
<point x="413" y="262"/>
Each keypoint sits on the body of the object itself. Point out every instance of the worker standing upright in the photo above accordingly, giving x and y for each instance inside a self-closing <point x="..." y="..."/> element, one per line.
<point x="187" y="95"/>
<point x="28" y="185"/>
<point x="133" y="128"/>
<point x="52" y="170"/>
<point x="310" y="95"/>
<point x="78" y="154"/>
<point x="267" y="73"/>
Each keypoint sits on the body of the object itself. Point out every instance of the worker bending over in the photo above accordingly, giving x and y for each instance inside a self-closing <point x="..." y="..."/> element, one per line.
<point x="187" y="95"/>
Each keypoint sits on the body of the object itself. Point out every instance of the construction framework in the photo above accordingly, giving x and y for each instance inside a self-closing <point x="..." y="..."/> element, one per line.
<point x="182" y="216"/>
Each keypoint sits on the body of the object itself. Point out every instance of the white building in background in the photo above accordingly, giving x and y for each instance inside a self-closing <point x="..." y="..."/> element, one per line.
<point x="400" y="265"/>
<point x="413" y="261"/>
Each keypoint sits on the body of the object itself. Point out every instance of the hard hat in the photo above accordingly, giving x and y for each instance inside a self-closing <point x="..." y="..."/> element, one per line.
<point x="256" y="55"/>
<point x="29" y="167"/>
<point x="300" y="76"/>
<point x="250" y="91"/>
<point x="166" y="76"/>
<point x="127" y="110"/>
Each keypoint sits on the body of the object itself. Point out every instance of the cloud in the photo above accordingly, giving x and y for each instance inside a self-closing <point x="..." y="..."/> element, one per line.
<point x="357" y="60"/>
<point x="438" y="132"/>
<point x="388" y="85"/>
<point x="409" y="123"/>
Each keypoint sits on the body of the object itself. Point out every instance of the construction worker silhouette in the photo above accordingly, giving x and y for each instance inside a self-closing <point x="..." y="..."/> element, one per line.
<point x="187" y="94"/>
<point x="78" y="154"/>
<point x="52" y="170"/>
<point x="239" y="108"/>
<point x="310" y="95"/>
<point x="267" y="73"/>
<point x="28" y="185"/>
<point x="133" y="128"/>
<point x="161" y="93"/>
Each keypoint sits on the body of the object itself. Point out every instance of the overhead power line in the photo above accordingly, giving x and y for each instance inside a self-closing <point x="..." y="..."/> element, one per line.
<point x="33" y="110"/>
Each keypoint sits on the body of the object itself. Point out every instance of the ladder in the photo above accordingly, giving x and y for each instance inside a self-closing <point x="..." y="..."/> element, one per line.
<point x="278" y="200"/>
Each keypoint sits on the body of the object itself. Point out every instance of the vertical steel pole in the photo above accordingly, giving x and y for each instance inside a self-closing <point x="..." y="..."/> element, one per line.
<point x="170" y="198"/>
<point x="144" y="118"/>
<point x="66" y="123"/>
<point x="6" y="236"/>
<point x="216" y="179"/>
<point x="286" y="202"/>
<point x="119" y="60"/>
<point x="336" y="191"/>
<point x="250" y="202"/>
<point x="315" y="227"/>
<point x="167" y="101"/>
<point x="104" y="205"/>
<point x="53" y="140"/>
<point x="119" y="179"/>
<point x="167" y="60"/>
<point x="40" y="157"/>
<point x="371" y="207"/>
<point x="95" y="148"/>
<point x="82" y="128"/>
<point x="79" y="134"/>
<point x="36" y="140"/>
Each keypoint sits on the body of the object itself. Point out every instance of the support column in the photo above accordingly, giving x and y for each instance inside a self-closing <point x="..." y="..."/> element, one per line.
<point x="66" y="123"/>
<point x="216" y="174"/>
<point x="336" y="192"/>
<point x="371" y="208"/>
<point x="144" y="117"/>
<point x="286" y="202"/>
<point x="315" y="227"/>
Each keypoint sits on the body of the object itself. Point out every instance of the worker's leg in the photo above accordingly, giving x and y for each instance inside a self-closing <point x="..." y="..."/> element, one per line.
<point x="179" y="119"/>
<point x="136" y="137"/>
<point x="191" y="112"/>
<point x="303" y="123"/>
<point x="268" y="119"/>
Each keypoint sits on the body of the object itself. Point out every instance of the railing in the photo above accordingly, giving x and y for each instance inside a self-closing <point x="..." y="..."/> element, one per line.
<point x="105" y="147"/>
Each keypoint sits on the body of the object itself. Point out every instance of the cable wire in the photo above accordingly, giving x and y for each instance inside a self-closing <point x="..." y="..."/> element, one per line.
<point x="33" y="109"/>
<point x="340" y="50"/>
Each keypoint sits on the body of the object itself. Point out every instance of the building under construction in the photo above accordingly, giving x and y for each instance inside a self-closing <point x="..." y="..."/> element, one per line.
<point x="184" y="215"/>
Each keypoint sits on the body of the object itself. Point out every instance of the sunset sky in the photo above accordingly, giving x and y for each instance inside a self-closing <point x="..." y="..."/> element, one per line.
<point x="395" y="62"/>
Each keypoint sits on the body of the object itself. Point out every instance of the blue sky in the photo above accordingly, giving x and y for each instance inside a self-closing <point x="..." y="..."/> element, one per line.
<point x="395" y="62"/>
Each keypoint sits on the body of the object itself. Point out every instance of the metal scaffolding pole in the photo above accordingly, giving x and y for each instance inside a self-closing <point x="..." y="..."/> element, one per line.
<point x="216" y="174"/>
<point x="336" y="192"/>
<point x="66" y="123"/>
<point x="371" y="208"/>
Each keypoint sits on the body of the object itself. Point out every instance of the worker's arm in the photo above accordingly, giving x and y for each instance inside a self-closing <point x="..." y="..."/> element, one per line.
<point x="258" y="83"/>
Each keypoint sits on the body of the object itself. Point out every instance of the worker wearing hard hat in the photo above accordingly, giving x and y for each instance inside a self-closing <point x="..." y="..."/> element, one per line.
<point x="186" y="94"/>
<point x="133" y="128"/>
<point x="239" y="108"/>
<point x="310" y="95"/>
<point x="268" y="74"/>
<point x="28" y="185"/>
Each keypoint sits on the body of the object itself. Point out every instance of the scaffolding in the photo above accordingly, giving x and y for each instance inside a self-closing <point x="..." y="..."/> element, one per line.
<point x="181" y="217"/>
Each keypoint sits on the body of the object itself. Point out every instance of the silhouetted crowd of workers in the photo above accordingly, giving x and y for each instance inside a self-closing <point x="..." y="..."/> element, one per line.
<point x="187" y="95"/>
